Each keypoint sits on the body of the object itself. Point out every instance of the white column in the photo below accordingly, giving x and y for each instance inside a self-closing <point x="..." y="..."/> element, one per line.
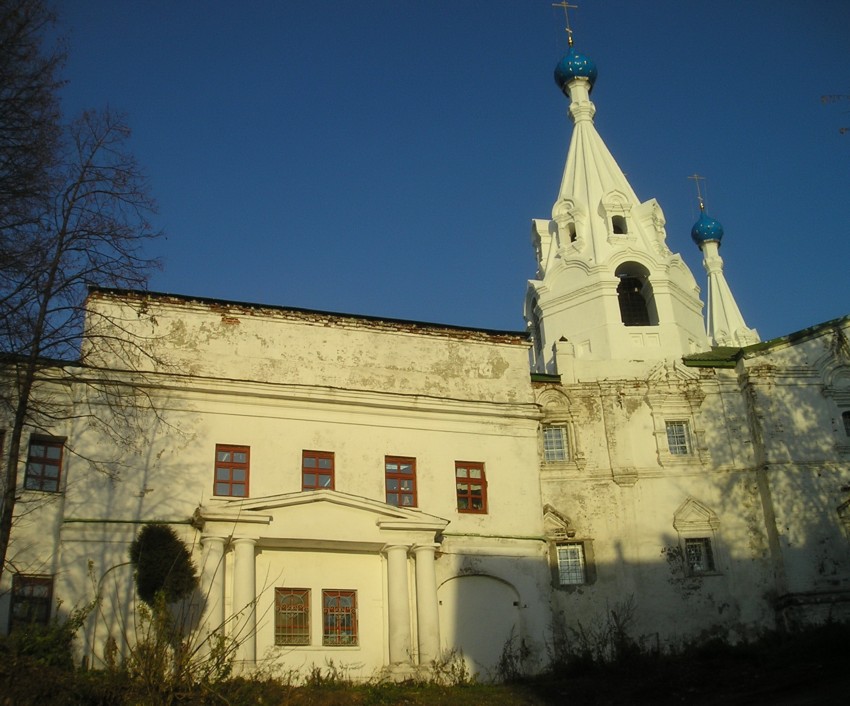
<point x="245" y="599"/>
<point x="213" y="582"/>
<point x="427" y="614"/>
<point x="398" y="603"/>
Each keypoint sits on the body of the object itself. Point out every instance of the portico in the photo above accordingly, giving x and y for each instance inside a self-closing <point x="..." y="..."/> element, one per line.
<point x="313" y="544"/>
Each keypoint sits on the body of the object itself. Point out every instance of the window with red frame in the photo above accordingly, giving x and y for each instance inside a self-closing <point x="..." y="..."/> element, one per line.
<point x="317" y="470"/>
<point x="32" y="598"/>
<point x="44" y="465"/>
<point x="292" y="616"/>
<point x="471" y="485"/>
<point x="400" y="481"/>
<point x="339" y="618"/>
<point x="231" y="470"/>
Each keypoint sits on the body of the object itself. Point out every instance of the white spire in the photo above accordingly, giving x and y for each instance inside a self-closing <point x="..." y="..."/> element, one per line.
<point x="724" y="323"/>
<point x="607" y="285"/>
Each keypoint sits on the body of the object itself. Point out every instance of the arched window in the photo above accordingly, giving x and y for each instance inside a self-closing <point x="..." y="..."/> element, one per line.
<point x="618" y="225"/>
<point x="634" y="293"/>
<point x="633" y="309"/>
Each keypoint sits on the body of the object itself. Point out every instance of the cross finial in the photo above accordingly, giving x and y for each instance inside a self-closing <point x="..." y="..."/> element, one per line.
<point x="697" y="179"/>
<point x="567" y="7"/>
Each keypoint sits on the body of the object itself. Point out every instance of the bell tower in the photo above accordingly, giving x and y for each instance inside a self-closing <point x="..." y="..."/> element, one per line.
<point x="607" y="286"/>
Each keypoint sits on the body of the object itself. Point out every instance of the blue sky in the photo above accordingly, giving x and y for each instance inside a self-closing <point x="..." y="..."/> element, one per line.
<point x="386" y="157"/>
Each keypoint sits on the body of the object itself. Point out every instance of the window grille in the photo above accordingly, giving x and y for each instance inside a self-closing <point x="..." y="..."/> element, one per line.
<point x="555" y="447"/>
<point x="678" y="438"/>
<point x="32" y="597"/>
<point x="292" y="616"/>
<point x="339" y="616"/>
<point x="698" y="555"/>
<point x="571" y="566"/>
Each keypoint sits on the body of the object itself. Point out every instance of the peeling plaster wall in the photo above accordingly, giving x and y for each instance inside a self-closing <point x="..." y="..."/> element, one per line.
<point x="266" y="345"/>
<point x="769" y="458"/>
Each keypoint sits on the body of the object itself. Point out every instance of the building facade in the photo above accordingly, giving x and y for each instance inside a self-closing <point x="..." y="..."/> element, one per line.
<point x="385" y="494"/>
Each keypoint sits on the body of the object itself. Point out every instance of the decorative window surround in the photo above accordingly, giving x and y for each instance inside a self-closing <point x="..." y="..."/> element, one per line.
<point x="557" y="411"/>
<point x="697" y="527"/>
<point x="570" y="556"/>
<point x="616" y="209"/>
<point x="674" y="395"/>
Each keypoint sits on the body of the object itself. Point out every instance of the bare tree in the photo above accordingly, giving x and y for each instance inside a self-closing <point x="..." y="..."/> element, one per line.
<point x="94" y="234"/>
<point x="29" y="122"/>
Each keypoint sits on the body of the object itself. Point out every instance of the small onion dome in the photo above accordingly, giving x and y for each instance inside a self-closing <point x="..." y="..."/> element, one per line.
<point x="574" y="65"/>
<point x="706" y="230"/>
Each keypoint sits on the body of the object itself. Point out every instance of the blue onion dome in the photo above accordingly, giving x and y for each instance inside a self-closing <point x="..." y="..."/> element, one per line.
<point x="574" y="65"/>
<point x="706" y="230"/>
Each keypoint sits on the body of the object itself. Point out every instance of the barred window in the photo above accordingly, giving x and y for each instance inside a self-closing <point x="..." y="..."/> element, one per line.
<point x="678" y="438"/>
<point x="339" y="618"/>
<point x="292" y="616"/>
<point x="698" y="555"/>
<point x="32" y="598"/>
<point x="555" y="447"/>
<point x="571" y="565"/>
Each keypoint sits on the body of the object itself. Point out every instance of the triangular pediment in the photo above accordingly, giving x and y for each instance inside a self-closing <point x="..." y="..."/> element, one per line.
<point x="320" y="519"/>
<point x="694" y="516"/>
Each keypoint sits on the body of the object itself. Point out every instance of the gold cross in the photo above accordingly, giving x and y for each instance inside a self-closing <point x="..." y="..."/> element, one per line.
<point x="697" y="179"/>
<point x="567" y="7"/>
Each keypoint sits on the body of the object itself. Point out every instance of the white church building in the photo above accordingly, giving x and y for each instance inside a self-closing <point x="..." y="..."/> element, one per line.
<point x="383" y="493"/>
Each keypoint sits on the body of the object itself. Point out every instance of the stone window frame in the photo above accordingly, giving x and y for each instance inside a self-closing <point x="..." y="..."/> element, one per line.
<point x="464" y="487"/>
<point x="317" y="471"/>
<point x="291" y="624"/>
<point x="677" y="400"/>
<point x="339" y="622"/>
<point x="561" y="533"/>
<point x="226" y="470"/>
<point x="617" y="211"/>
<point x="557" y="412"/>
<point x="695" y="522"/>
<point x="41" y="480"/>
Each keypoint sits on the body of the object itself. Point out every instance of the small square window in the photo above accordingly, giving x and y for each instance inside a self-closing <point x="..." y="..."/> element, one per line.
<point x="232" y="465"/>
<point x="292" y="616"/>
<point x="317" y="470"/>
<point x="471" y="487"/>
<point x="571" y="564"/>
<point x="698" y="556"/>
<point x="339" y="618"/>
<point x="678" y="438"/>
<point x="32" y="598"/>
<point x="555" y="446"/>
<point x="44" y="465"/>
<point x="400" y="481"/>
